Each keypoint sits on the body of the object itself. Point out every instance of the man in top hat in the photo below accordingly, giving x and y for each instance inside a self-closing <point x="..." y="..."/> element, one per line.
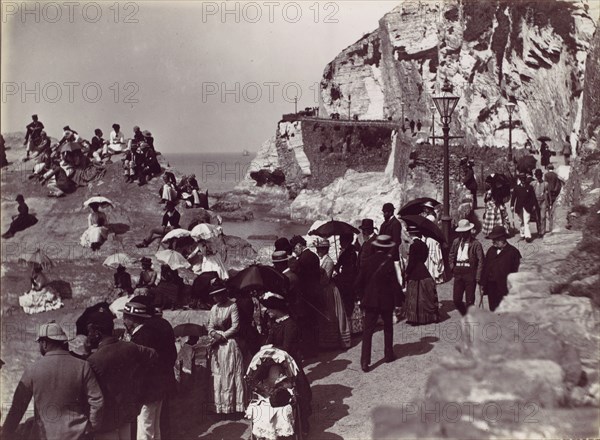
<point x="67" y="399"/>
<point x="33" y="134"/>
<point x="466" y="264"/>
<point x="120" y="368"/>
<point x="152" y="331"/>
<point x="380" y="292"/>
<point x="500" y="260"/>
<point x="170" y="221"/>
<point x="392" y="227"/>
<point x="523" y="203"/>
<point x="365" y="240"/>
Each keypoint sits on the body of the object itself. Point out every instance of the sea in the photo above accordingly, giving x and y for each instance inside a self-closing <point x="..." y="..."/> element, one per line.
<point x="221" y="172"/>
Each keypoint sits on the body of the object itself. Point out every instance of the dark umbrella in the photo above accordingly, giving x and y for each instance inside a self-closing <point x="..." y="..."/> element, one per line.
<point x="544" y="139"/>
<point x="425" y="226"/>
<point x="190" y="329"/>
<point x="334" y="227"/>
<point x="82" y="321"/>
<point x="71" y="146"/>
<point x="500" y="185"/>
<point x="258" y="276"/>
<point x="415" y="207"/>
<point x="526" y="164"/>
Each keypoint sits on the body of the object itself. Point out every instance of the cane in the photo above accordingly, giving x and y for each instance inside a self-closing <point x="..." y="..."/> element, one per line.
<point x="480" y="297"/>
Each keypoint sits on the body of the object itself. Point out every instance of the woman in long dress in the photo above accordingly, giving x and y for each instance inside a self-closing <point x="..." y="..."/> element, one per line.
<point x="334" y="328"/>
<point x="41" y="297"/>
<point x="495" y="213"/>
<point x="97" y="232"/>
<point x="226" y="360"/>
<point x="422" y="306"/>
<point x="435" y="260"/>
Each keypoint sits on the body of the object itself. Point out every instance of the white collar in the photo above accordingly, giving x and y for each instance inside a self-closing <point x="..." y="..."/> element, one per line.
<point x="139" y="326"/>
<point x="283" y="318"/>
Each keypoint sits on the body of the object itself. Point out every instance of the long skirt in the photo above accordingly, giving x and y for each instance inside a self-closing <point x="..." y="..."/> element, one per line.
<point x="227" y="367"/>
<point x="435" y="261"/>
<point x="94" y="234"/>
<point x="334" y="327"/>
<point x="494" y="216"/>
<point x="421" y="302"/>
<point x="37" y="301"/>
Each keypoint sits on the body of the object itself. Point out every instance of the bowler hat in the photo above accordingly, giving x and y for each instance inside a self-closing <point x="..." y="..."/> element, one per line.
<point x="366" y="225"/>
<point x="279" y="257"/>
<point x="387" y="207"/>
<point x="384" y="242"/>
<point x="139" y="306"/>
<point x="52" y="331"/>
<point x="497" y="233"/>
<point x="464" y="225"/>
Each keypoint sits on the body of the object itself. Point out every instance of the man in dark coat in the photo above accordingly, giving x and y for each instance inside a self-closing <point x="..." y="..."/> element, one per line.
<point x="523" y="203"/>
<point x="170" y="221"/>
<point x="308" y="270"/>
<point x="392" y="227"/>
<point x="500" y="260"/>
<point x="294" y="298"/>
<point x="468" y="178"/>
<point x="380" y="292"/>
<point x="346" y="269"/>
<point x="154" y="332"/>
<point x="33" y="135"/>
<point x="119" y="367"/>
<point x="365" y="240"/>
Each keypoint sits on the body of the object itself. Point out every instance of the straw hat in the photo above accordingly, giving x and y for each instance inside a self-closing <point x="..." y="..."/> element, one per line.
<point x="464" y="225"/>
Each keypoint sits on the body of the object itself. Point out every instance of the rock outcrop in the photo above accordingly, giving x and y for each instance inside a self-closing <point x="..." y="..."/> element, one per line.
<point x="530" y="53"/>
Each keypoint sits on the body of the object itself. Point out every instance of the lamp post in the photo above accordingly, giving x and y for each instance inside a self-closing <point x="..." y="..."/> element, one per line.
<point x="445" y="104"/>
<point x="432" y="108"/>
<point x="510" y="108"/>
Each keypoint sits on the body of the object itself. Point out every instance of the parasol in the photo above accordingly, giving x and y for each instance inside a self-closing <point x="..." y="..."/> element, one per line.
<point x="425" y="226"/>
<point x="500" y="185"/>
<point x="82" y="321"/>
<point x="258" y="276"/>
<point x="173" y="259"/>
<point x="526" y="164"/>
<point x="415" y="207"/>
<point x="176" y="233"/>
<point x="544" y="139"/>
<point x="334" y="227"/>
<point x="39" y="258"/>
<point x="190" y="329"/>
<point x="269" y="355"/>
<point x="102" y="201"/>
<point x="70" y="146"/>
<point x="121" y="259"/>
<point x="205" y="231"/>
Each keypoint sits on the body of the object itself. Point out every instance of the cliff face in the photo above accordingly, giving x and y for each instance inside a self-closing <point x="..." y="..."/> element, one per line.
<point x="532" y="53"/>
<point x="590" y="120"/>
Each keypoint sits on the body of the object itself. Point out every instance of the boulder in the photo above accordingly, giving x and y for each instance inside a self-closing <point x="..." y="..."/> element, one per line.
<point x="523" y="381"/>
<point x="490" y="336"/>
<point x="226" y="206"/>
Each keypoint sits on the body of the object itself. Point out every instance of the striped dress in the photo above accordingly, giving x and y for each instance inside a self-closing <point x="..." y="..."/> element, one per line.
<point x="494" y="215"/>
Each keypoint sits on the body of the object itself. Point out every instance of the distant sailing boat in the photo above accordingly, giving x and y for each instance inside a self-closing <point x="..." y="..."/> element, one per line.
<point x="246" y="153"/>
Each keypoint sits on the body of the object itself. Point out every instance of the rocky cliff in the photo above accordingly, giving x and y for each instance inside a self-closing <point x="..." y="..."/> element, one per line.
<point x="532" y="53"/>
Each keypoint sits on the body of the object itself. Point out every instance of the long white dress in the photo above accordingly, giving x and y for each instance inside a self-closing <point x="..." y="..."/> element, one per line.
<point x="226" y="360"/>
<point x="117" y="142"/>
<point x="435" y="260"/>
<point x="96" y="231"/>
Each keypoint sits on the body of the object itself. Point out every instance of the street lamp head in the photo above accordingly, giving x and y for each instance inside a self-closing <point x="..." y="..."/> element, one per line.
<point x="510" y="108"/>
<point x="446" y="102"/>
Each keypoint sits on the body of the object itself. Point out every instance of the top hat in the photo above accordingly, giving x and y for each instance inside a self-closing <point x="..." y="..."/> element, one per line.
<point x="321" y="243"/>
<point x="52" y="331"/>
<point x="384" y="242"/>
<point x="279" y="257"/>
<point x="498" y="232"/>
<point x="464" y="225"/>
<point x="366" y="225"/>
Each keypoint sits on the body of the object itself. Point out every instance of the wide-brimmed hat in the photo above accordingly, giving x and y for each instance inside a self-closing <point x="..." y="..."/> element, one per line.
<point x="366" y="225"/>
<point x="275" y="301"/>
<point x="279" y="257"/>
<point x="216" y="286"/>
<point x="52" y="331"/>
<point x="321" y="243"/>
<point x="464" y="225"/>
<point x="383" y="242"/>
<point x="139" y="306"/>
<point x="497" y="233"/>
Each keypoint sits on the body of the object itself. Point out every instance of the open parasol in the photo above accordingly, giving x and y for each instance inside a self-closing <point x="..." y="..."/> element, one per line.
<point x="176" y="233"/>
<point x="119" y="259"/>
<point x="173" y="259"/>
<point x="415" y="207"/>
<point x="37" y="258"/>
<point x="259" y="276"/>
<point x="334" y="227"/>
<point x="102" y="201"/>
<point x="205" y="231"/>
<point x="425" y="226"/>
<point x="526" y="164"/>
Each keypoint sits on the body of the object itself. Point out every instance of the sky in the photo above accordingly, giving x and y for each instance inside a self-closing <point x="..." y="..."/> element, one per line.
<point x="201" y="76"/>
